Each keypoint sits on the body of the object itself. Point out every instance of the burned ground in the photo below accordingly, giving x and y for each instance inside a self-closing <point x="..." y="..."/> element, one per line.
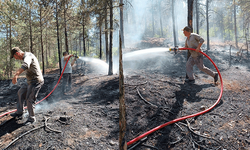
<point x="155" y="93"/>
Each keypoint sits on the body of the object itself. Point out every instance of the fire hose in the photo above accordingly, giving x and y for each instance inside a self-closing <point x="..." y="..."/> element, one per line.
<point x="44" y="97"/>
<point x="188" y="116"/>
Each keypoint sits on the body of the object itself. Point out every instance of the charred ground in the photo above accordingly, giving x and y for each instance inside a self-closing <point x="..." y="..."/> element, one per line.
<point x="88" y="117"/>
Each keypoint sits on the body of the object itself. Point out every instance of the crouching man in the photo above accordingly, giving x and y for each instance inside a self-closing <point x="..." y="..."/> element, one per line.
<point x="29" y="91"/>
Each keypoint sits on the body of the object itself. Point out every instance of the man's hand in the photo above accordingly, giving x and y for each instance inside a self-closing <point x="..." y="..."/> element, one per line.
<point x="18" y="72"/>
<point x="14" y="80"/>
<point x="197" y="49"/>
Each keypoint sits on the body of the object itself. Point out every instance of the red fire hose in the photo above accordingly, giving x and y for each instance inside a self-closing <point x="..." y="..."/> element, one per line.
<point x="44" y="97"/>
<point x="185" y="117"/>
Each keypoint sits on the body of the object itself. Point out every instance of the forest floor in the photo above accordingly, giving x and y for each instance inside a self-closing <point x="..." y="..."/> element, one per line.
<point x="155" y="93"/>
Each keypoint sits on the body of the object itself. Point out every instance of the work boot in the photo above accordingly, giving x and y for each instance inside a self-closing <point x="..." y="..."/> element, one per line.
<point x="190" y="81"/>
<point x="16" y="115"/>
<point x="30" y="121"/>
<point x="216" y="77"/>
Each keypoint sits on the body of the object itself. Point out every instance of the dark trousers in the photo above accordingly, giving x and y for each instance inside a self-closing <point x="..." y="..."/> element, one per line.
<point x="28" y="93"/>
<point x="67" y="78"/>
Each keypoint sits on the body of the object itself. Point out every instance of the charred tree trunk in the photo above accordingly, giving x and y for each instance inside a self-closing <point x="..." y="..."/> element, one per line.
<point x="111" y="39"/>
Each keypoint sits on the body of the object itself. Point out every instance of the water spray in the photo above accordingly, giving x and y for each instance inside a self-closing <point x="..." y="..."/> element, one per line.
<point x="175" y="49"/>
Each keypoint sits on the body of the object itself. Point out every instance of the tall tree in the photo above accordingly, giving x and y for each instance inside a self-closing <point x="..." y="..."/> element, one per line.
<point x="58" y="40"/>
<point x="110" y="72"/>
<point x="121" y="23"/>
<point x="207" y="19"/>
<point x="30" y="26"/>
<point x="41" y="36"/>
<point x="160" y="15"/>
<point x="190" y="19"/>
<point x="106" y="30"/>
<point x="65" y="25"/>
<point x="122" y="107"/>
<point x="173" y="21"/>
<point x="197" y="16"/>
<point x="235" y="24"/>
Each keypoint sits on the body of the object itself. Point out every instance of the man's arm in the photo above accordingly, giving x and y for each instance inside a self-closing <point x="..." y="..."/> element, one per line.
<point x="66" y="57"/>
<point x="73" y="62"/>
<point x="199" y="47"/>
<point x="18" y="72"/>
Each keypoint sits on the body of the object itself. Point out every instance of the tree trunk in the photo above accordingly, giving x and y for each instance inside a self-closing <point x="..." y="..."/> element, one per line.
<point x="208" y="44"/>
<point x="153" y="24"/>
<point x="235" y="25"/>
<point x="122" y="107"/>
<point x="121" y="23"/>
<point x="100" y="36"/>
<point x="159" y="4"/>
<point x="106" y="32"/>
<point x="41" y="30"/>
<point x="46" y="40"/>
<point x="190" y="19"/>
<point x="11" y="62"/>
<point x="80" y="45"/>
<point x="58" y="41"/>
<point x="65" y="28"/>
<point x="190" y="22"/>
<point x="31" y="41"/>
<point x="111" y="39"/>
<point x="173" y="21"/>
<point x="83" y="40"/>
<point x="197" y="17"/>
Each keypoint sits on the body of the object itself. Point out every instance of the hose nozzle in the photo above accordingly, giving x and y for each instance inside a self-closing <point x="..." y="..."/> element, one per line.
<point x="76" y="56"/>
<point x="174" y="49"/>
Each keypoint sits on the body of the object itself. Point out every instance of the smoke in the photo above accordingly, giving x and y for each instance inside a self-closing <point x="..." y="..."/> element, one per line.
<point x="141" y="17"/>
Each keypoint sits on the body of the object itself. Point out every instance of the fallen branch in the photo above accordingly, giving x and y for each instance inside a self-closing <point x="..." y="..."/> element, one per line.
<point x="136" y="84"/>
<point x="189" y="127"/>
<point x="151" y="103"/>
<point x="19" y="137"/>
<point x="45" y="123"/>
<point x="149" y="146"/>
<point x="23" y="135"/>
<point x="195" y="143"/>
<point x="172" y="143"/>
